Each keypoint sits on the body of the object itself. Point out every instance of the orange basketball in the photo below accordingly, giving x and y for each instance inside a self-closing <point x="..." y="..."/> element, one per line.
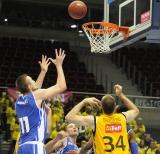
<point x="77" y="9"/>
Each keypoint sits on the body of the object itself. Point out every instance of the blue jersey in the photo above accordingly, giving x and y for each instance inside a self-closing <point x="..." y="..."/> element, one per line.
<point x="33" y="121"/>
<point x="68" y="146"/>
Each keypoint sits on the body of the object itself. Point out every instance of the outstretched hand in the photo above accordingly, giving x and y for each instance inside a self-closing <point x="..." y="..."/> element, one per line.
<point x="44" y="63"/>
<point x="60" y="55"/>
<point x="118" y="89"/>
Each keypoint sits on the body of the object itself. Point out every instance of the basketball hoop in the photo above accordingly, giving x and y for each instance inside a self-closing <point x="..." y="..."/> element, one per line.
<point x="100" y="35"/>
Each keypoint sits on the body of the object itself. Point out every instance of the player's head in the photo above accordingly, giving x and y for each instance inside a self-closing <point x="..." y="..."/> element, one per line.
<point x="108" y="104"/>
<point x="72" y="130"/>
<point x="142" y="143"/>
<point x="153" y="144"/>
<point x="25" y="84"/>
<point x="139" y="121"/>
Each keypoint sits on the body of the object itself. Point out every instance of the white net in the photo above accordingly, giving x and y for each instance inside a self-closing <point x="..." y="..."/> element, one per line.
<point x="99" y="36"/>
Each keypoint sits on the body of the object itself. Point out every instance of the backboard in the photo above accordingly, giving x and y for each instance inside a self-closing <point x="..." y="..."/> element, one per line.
<point x="136" y="14"/>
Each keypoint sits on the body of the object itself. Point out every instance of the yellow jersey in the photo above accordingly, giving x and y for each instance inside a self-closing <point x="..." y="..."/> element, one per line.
<point x="150" y="151"/>
<point x="111" y="135"/>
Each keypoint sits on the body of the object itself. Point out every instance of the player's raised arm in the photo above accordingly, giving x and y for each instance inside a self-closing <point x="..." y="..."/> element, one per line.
<point x="73" y="116"/>
<point x="60" y="86"/>
<point x="50" y="146"/>
<point x="88" y="146"/>
<point x="44" y="63"/>
<point x="133" y="110"/>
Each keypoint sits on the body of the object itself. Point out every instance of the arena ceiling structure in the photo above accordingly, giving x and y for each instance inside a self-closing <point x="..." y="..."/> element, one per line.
<point x="58" y="9"/>
<point x="63" y="2"/>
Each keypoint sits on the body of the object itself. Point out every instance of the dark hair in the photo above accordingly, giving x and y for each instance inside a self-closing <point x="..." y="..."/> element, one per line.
<point x="21" y="84"/>
<point x="108" y="104"/>
<point x="121" y="108"/>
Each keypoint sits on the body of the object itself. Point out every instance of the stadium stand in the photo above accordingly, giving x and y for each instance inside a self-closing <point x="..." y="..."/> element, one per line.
<point x="14" y="51"/>
<point x="141" y="65"/>
<point x="42" y="16"/>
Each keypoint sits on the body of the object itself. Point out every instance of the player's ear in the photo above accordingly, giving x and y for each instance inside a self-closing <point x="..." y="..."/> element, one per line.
<point x="29" y="87"/>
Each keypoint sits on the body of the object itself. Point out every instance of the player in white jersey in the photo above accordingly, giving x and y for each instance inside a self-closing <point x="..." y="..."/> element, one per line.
<point x="30" y="107"/>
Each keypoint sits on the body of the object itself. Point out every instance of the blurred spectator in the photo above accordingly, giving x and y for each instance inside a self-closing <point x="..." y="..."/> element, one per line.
<point x="70" y="104"/>
<point x="158" y="149"/>
<point x="56" y="130"/>
<point x="141" y="147"/>
<point x="147" y="139"/>
<point x="4" y="117"/>
<point x="140" y="129"/>
<point x="152" y="148"/>
<point x="133" y="125"/>
<point x="10" y="126"/>
<point x="15" y="132"/>
<point x="15" y="129"/>
<point x="58" y="113"/>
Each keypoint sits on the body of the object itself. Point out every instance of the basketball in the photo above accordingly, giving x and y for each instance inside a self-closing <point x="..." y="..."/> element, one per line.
<point x="77" y="9"/>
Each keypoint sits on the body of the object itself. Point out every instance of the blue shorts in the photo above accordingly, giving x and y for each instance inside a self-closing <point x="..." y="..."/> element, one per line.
<point x="31" y="148"/>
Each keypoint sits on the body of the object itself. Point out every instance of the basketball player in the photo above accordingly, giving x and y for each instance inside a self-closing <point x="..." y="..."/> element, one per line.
<point x="65" y="145"/>
<point x="44" y="68"/>
<point x="131" y="136"/>
<point x="49" y="126"/>
<point x="110" y="135"/>
<point x="30" y="108"/>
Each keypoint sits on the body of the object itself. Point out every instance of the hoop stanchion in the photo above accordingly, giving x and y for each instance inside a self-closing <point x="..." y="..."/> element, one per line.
<point x="101" y="33"/>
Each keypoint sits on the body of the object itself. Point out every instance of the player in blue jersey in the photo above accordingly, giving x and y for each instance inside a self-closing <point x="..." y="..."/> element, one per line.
<point x="66" y="144"/>
<point x="30" y="106"/>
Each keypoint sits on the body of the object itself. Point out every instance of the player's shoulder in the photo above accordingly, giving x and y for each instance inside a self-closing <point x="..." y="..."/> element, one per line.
<point x="122" y="114"/>
<point x="39" y="93"/>
<point x="101" y="117"/>
<point x="23" y="99"/>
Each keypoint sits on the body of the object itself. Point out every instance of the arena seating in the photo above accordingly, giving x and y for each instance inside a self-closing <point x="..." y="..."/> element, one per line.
<point x="142" y="66"/>
<point x="19" y="56"/>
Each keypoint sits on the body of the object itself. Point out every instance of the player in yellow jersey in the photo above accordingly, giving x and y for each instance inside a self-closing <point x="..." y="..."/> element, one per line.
<point x="110" y="131"/>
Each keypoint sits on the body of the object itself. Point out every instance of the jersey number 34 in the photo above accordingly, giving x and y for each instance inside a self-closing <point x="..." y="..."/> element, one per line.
<point x="108" y="141"/>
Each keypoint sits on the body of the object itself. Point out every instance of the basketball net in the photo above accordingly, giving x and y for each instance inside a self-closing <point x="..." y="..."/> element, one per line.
<point x="100" y="35"/>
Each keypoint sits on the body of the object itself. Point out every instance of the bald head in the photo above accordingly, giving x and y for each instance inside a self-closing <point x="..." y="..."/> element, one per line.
<point x="108" y="104"/>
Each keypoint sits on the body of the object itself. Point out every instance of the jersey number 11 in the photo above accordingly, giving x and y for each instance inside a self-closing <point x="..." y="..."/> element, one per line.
<point x="24" y="123"/>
